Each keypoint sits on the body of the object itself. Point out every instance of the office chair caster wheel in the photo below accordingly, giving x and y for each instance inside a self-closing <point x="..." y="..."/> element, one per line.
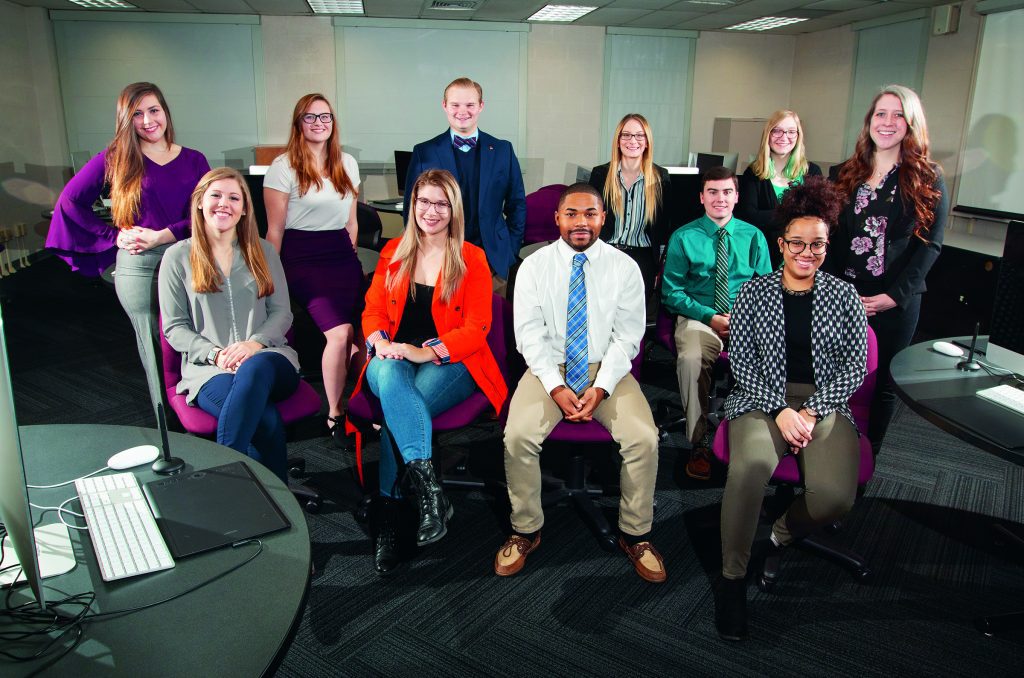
<point x="862" y="575"/>
<point x="608" y="542"/>
<point x="296" y="467"/>
<point x="363" y="509"/>
<point x="766" y="584"/>
<point x="312" y="506"/>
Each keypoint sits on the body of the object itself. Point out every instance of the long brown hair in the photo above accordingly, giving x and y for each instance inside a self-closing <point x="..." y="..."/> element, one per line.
<point x="124" y="160"/>
<point x="205" y="278"/>
<point x="301" y="158"/>
<point x="796" y="164"/>
<point x="917" y="171"/>
<point x="652" y="182"/>
<point x="454" y="268"/>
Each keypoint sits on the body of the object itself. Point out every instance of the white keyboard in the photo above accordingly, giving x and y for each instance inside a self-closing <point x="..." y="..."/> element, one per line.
<point x="124" y="534"/>
<point x="1006" y="395"/>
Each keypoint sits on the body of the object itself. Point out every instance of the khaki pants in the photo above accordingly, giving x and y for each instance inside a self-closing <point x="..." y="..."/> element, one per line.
<point x="627" y="416"/>
<point x="829" y="464"/>
<point x="697" y="349"/>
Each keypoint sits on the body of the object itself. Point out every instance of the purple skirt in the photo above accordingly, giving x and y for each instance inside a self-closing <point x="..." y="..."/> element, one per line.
<point x="324" y="275"/>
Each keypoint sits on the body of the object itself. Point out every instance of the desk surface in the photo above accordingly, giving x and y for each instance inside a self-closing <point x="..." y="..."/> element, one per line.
<point x="240" y="624"/>
<point x="932" y="386"/>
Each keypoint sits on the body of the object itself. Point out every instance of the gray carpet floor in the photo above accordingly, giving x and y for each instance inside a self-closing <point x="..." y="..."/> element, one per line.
<point x="924" y="525"/>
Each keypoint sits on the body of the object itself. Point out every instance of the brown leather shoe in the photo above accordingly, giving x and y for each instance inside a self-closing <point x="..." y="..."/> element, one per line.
<point x="636" y="552"/>
<point x="699" y="465"/>
<point x="522" y="547"/>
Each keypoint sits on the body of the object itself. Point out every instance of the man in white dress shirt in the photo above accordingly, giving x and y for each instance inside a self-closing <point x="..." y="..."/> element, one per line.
<point x="579" y="322"/>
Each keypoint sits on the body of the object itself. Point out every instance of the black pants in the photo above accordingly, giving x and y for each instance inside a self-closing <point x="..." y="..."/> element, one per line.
<point x="647" y="259"/>
<point x="894" y="329"/>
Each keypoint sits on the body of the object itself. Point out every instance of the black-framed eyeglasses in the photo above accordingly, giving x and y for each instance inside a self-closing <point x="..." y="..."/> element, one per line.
<point x="310" y="118"/>
<point x="798" y="246"/>
<point x="626" y="136"/>
<point x="441" y="207"/>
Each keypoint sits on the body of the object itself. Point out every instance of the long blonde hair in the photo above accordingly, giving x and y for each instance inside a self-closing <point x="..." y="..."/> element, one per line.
<point x="124" y="160"/>
<point x="301" y="158"/>
<point x="652" y="181"/>
<point x="205" y="278"/>
<point x="454" y="268"/>
<point x="796" y="164"/>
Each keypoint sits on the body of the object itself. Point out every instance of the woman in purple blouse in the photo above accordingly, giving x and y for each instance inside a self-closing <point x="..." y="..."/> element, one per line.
<point x="151" y="180"/>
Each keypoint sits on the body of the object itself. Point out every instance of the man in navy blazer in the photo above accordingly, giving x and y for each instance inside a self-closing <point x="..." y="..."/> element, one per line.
<point x="488" y="173"/>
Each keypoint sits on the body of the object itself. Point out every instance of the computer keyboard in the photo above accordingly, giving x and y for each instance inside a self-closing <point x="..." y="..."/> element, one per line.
<point x="124" y="534"/>
<point x="1006" y="395"/>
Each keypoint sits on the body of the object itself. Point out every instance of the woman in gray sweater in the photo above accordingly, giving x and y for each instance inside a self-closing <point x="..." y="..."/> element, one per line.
<point x="225" y="308"/>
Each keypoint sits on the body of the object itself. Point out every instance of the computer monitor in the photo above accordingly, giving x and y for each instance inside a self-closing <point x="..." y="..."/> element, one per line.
<point x="706" y="161"/>
<point x="1006" y="336"/>
<point x="402" y="159"/>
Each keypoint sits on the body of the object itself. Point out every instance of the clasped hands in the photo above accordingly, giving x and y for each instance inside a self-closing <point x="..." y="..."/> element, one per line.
<point x="399" y="351"/>
<point x="233" y="355"/>
<point x="136" y="240"/>
<point x="797" y="428"/>
<point x="579" y="409"/>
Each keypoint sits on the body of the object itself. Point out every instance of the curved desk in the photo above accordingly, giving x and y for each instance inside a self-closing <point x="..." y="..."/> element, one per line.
<point x="241" y="624"/>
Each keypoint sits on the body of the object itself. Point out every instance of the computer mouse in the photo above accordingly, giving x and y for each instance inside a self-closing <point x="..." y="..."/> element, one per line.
<point x="133" y="456"/>
<point x="946" y="348"/>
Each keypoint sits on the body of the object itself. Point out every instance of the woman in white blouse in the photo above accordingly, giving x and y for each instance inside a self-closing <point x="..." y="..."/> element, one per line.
<point x="310" y="194"/>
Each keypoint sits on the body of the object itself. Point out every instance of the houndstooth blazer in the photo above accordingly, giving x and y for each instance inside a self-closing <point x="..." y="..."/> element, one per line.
<point x="757" y="346"/>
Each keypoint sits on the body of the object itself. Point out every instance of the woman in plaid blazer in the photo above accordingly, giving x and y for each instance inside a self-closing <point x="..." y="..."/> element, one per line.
<point x="798" y="351"/>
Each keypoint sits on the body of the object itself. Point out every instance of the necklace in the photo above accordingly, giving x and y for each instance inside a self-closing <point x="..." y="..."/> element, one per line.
<point x="797" y="293"/>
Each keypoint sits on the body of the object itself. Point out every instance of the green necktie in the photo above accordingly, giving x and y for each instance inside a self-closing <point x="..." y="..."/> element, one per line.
<point x="722" y="272"/>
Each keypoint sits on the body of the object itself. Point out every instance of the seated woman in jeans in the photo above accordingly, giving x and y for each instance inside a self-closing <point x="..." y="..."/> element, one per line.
<point x="798" y="352"/>
<point x="426" y="320"/>
<point x="225" y="308"/>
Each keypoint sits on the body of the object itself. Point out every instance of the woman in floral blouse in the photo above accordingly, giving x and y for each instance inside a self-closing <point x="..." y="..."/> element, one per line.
<point x="891" y="231"/>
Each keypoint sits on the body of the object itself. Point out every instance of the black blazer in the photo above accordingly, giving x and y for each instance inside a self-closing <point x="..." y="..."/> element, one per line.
<point x="661" y="229"/>
<point x="757" y="203"/>
<point x="907" y="258"/>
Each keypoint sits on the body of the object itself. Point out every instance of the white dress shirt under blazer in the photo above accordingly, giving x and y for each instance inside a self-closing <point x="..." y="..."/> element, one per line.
<point x="615" y="311"/>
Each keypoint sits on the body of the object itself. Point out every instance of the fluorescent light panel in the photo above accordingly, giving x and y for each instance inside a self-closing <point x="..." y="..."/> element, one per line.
<point x="765" y="23"/>
<point x="564" y="13"/>
<point x="336" y="6"/>
<point x="710" y="2"/>
<point x="104" y="4"/>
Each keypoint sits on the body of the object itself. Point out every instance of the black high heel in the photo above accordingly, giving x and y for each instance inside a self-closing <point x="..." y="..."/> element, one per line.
<point x="336" y="429"/>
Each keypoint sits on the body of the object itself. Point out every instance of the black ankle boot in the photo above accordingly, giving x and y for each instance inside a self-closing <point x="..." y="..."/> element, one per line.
<point x="731" y="608"/>
<point x="386" y="557"/>
<point x="435" y="509"/>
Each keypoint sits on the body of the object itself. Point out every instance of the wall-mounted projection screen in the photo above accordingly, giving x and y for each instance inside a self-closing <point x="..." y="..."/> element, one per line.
<point x="206" y="71"/>
<point x="992" y="174"/>
<point x="391" y="81"/>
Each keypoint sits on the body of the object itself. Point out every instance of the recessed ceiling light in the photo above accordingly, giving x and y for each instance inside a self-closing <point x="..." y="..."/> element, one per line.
<point x="336" y="6"/>
<point x="765" y="23"/>
<point x="564" y="13"/>
<point x="104" y="4"/>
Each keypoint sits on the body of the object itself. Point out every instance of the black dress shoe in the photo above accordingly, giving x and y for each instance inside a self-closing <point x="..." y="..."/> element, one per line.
<point x="386" y="556"/>
<point x="731" y="608"/>
<point x="435" y="509"/>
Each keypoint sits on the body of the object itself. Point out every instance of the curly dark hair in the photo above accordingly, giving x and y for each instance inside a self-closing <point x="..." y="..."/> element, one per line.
<point x="815" y="197"/>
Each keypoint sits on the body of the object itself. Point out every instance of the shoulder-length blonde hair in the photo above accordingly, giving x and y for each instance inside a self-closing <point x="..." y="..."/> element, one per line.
<point x="652" y="181"/>
<point x="205" y="278"/>
<point x="454" y="268"/>
<point x="796" y="163"/>
<point x="917" y="172"/>
<point x="301" y="158"/>
<point x="124" y="160"/>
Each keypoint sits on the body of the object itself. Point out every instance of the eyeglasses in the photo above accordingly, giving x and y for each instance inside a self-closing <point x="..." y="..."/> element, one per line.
<point x="441" y="207"/>
<point x="779" y="133"/>
<point x="626" y="136"/>
<point x="798" y="246"/>
<point x="310" y="118"/>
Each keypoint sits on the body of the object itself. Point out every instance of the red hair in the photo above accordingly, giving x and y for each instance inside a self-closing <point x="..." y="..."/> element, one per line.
<point x="301" y="158"/>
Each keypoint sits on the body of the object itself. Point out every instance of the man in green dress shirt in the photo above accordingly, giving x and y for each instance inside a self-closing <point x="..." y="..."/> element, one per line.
<point x="708" y="261"/>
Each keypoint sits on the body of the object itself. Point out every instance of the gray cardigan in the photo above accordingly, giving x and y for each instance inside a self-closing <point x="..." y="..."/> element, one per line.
<point x="196" y="323"/>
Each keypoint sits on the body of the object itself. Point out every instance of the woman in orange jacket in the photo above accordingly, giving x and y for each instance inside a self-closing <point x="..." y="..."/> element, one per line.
<point x="426" y="320"/>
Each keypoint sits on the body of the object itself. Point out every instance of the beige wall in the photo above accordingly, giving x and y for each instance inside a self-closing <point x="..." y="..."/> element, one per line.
<point x="822" y="73"/>
<point x="33" y="146"/>
<point x="738" y="76"/>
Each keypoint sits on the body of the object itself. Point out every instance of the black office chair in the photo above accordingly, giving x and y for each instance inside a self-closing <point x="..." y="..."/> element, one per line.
<point x="370" y="229"/>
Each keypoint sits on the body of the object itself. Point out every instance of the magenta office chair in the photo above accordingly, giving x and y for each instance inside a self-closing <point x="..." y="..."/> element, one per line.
<point x="541" y="206"/>
<point x="302" y="404"/>
<point x="787" y="477"/>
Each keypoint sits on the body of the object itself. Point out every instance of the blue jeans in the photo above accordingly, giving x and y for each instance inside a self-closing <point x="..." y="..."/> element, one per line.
<point x="243" y="402"/>
<point x="411" y="395"/>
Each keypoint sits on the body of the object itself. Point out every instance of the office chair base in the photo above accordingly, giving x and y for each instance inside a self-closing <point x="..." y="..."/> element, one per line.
<point x="853" y="562"/>
<point x="304" y="493"/>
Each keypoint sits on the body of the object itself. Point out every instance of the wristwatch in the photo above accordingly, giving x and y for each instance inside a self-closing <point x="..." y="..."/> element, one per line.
<point x="211" y="357"/>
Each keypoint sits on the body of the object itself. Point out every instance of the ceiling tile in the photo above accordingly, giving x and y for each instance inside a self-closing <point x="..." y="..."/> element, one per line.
<point x="221" y="6"/>
<point x="711" y="22"/>
<point x="391" y="8"/>
<point x="610" y="17"/>
<point x="840" y="5"/>
<point x="631" y="4"/>
<point x="662" y="19"/>
<point x="164" y="5"/>
<point x="875" y="11"/>
<point x="771" y="7"/>
<point x="280" y="7"/>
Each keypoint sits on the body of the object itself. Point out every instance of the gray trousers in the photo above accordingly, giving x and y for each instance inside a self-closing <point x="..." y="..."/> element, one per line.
<point x="830" y="464"/>
<point x="133" y="282"/>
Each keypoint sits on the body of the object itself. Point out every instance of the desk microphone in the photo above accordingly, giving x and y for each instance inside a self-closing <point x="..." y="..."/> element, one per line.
<point x="166" y="465"/>
<point x="971" y="365"/>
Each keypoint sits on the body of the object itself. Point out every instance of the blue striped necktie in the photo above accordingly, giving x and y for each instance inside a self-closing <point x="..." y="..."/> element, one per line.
<point x="576" y="328"/>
